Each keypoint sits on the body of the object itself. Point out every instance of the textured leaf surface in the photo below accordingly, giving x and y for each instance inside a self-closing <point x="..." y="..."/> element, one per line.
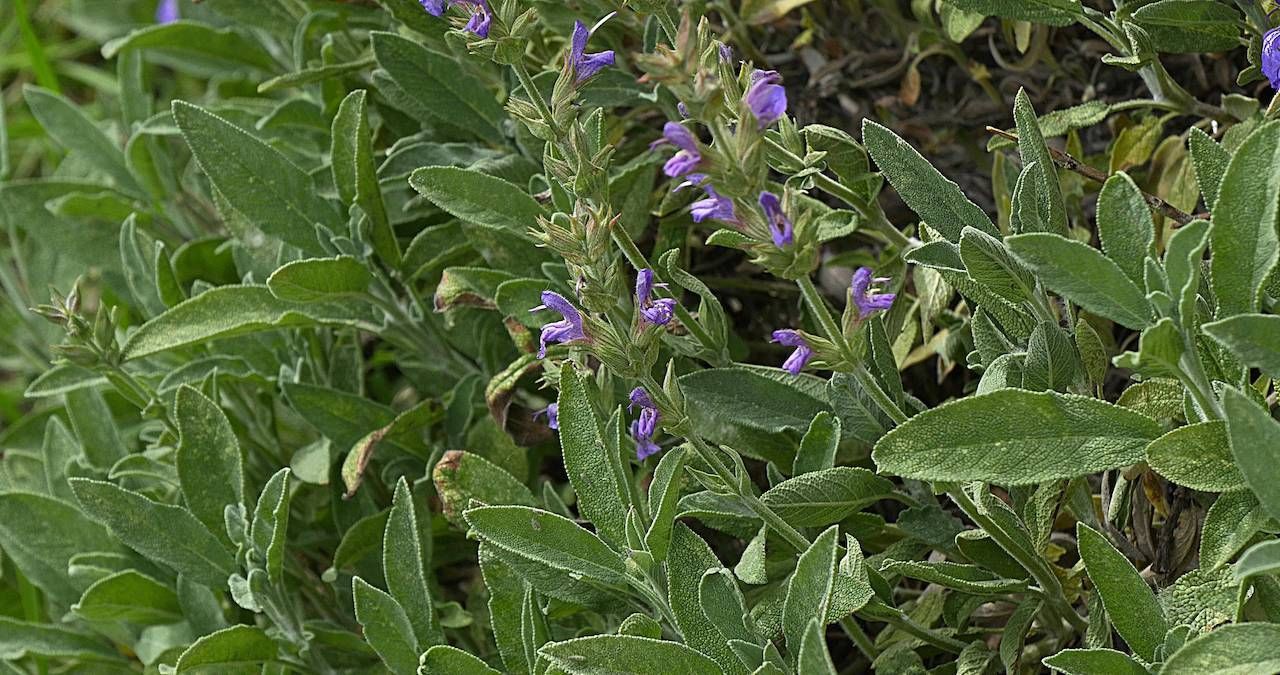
<point x="1130" y="604"/>
<point x="1084" y="276"/>
<point x="1015" y="437"/>
<point x="1244" y="239"/>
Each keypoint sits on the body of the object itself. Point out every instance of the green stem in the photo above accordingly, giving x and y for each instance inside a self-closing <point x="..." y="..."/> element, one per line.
<point x="770" y="517"/>
<point x="872" y="388"/>
<point x="860" y="638"/>
<point x="870" y="212"/>
<point x="35" y="51"/>
<point x="905" y="624"/>
<point x="1197" y="382"/>
<point x="530" y="90"/>
<point x="1055" y="600"/>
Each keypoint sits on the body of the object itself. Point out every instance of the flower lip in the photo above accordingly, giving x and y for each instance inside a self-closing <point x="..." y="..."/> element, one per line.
<point x="167" y="11"/>
<point x="802" y="354"/>
<point x="567" y="329"/>
<point x="1271" y="57"/>
<point x="552" y="413"/>
<point x="715" y="206"/>
<point x="867" y="299"/>
<point x="688" y="156"/>
<point x="435" y="7"/>
<point x="586" y="65"/>
<point x="779" y="224"/>
<point x="766" y="98"/>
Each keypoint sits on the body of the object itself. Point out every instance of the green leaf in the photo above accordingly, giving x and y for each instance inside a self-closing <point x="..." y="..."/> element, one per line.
<point x="268" y="189"/>
<point x="479" y="199"/>
<point x="1230" y="524"/>
<point x="1015" y="437"/>
<point x="989" y="263"/>
<point x="810" y="588"/>
<point x="597" y="475"/>
<point x="229" y="311"/>
<point x="1160" y="350"/>
<point x="1015" y="633"/>
<point x="688" y="560"/>
<point x="429" y="87"/>
<point x="1051" y="363"/>
<point x="320" y="280"/>
<point x="1035" y="155"/>
<point x="564" y="557"/>
<point x="1130" y="603"/>
<point x="813" y="656"/>
<point x="1210" y="161"/>
<point x="828" y="496"/>
<point x="1261" y="558"/>
<point x="1243" y="239"/>
<point x="1049" y="12"/>
<point x="386" y="628"/>
<point x="605" y="654"/>
<point x="462" y="477"/>
<point x="270" y="527"/>
<point x="1094" y="661"/>
<point x="1238" y="649"/>
<point x="1252" y="338"/>
<point x="165" y="533"/>
<point x="1190" y="26"/>
<point x="447" y="660"/>
<point x="1182" y="265"/>
<point x="664" y="496"/>
<point x="73" y="130"/>
<point x="1255" y="444"/>
<point x="356" y="177"/>
<point x="506" y="601"/>
<point x="819" y="444"/>
<point x="41" y="534"/>
<point x="236" y="649"/>
<point x="1125" y="226"/>
<point x="967" y="578"/>
<point x="224" y="48"/>
<point x="749" y="398"/>
<point x="1201" y="599"/>
<point x="19" y="638"/>
<point x="1084" y="276"/>
<point x="1197" y="456"/>
<point x="723" y="603"/>
<point x="95" y="427"/>
<point x="129" y="596"/>
<point x="935" y="199"/>
<point x="210" y="466"/>
<point x="404" y="565"/>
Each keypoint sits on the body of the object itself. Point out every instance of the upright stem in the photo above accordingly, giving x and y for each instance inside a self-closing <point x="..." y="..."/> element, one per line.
<point x="818" y="307"/>
<point x="535" y="96"/>
<point x="770" y="517"/>
<point x="1055" y="600"/>
<point x="860" y="638"/>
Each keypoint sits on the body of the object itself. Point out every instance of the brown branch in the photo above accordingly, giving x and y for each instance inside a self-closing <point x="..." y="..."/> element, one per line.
<point x="1074" y="165"/>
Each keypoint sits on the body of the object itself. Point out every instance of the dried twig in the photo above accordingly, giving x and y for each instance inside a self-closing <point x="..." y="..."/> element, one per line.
<point x="1074" y="165"/>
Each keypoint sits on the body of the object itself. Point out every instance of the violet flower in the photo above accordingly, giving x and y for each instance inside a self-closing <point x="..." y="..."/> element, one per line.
<point x="714" y="205"/>
<point x="1271" y="57"/>
<point x="644" y="426"/>
<point x="766" y="99"/>
<point x="726" y="53"/>
<point x="585" y="65"/>
<point x="167" y="11"/>
<point x="656" y="312"/>
<point x="800" y="357"/>
<point x="779" y="223"/>
<point x="867" y="299"/>
<point x="687" y="158"/>
<point x="552" y="413"/>
<point x="565" y="330"/>
<point x="481" y="14"/>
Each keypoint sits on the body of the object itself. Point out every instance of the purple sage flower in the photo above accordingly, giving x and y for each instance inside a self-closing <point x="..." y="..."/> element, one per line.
<point x="779" y="223"/>
<point x="481" y="17"/>
<point x="766" y="98"/>
<point x="644" y="426"/>
<point x="552" y="413"/>
<point x="868" y="299"/>
<point x="716" y="206"/>
<point x="682" y="109"/>
<point x="585" y="65"/>
<point x="800" y="357"/>
<point x="726" y="53"/>
<point x="1271" y="57"/>
<point x="656" y="312"/>
<point x="435" y="7"/>
<point x="565" y="330"/>
<point x="167" y="11"/>
<point x="687" y="157"/>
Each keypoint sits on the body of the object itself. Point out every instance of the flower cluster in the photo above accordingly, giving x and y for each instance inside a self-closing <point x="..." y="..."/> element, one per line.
<point x="864" y="301"/>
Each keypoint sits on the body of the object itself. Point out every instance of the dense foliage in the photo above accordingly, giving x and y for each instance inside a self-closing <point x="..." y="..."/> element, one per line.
<point x="463" y="336"/>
